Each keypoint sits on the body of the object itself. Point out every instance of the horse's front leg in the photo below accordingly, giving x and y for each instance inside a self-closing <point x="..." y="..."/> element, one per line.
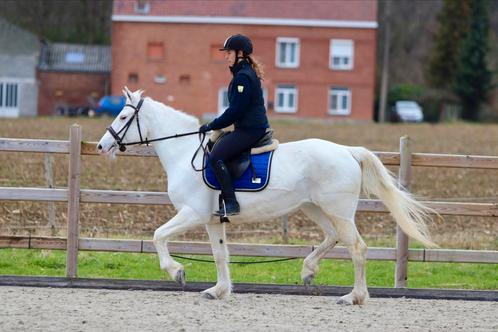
<point x="223" y="286"/>
<point x="186" y="219"/>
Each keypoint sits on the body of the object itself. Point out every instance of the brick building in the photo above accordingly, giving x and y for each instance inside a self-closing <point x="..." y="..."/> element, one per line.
<point x="319" y="56"/>
<point x="72" y="77"/>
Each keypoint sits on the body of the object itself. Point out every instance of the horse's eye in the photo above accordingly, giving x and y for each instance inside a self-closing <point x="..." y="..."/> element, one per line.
<point x="123" y="117"/>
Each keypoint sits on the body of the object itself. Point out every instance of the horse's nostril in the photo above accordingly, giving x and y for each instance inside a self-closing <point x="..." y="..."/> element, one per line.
<point x="99" y="147"/>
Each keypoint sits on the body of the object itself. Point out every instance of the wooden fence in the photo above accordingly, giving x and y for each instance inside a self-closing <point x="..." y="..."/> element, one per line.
<point x="74" y="196"/>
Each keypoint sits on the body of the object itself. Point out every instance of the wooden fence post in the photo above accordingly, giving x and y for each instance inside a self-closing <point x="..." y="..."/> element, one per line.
<point x="285" y="228"/>
<point x="49" y="177"/>
<point x="73" y="203"/>
<point x="405" y="165"/>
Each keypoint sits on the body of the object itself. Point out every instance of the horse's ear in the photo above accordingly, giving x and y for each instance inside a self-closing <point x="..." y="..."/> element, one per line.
<point x="127" y="92"/>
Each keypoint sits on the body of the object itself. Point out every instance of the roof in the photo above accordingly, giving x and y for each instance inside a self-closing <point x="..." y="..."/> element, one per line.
<point x="281" y="10"/>
<point x="16" y="41"/>
<point x="75" y="57"/>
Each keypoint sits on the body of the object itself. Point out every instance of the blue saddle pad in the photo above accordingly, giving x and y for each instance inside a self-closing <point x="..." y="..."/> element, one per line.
<point x="247" y="182"/>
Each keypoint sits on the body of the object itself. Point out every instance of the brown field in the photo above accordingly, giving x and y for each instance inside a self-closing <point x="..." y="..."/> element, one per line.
<point x="128" y="173"/>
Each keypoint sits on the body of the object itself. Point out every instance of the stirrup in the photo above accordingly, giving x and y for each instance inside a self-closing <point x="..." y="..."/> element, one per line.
<point x="222" y="212"/>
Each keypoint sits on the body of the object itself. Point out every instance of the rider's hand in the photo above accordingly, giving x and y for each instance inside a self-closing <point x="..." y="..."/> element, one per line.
<point x="204" y="128"/>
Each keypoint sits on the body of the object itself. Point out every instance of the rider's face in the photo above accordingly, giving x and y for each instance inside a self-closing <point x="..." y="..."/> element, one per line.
<point x="230" y="57"/>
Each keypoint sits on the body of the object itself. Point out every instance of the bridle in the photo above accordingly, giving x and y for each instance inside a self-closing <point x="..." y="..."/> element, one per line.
<point x="122" y="146"/>
<point x="119" y="140"/>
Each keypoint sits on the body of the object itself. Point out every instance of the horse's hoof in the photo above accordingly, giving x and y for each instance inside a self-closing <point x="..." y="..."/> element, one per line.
<point x="180" y="277"/>
<point x="343" y="302"/>
<point x="308" y="280"/>
<point x="206" y="295"/>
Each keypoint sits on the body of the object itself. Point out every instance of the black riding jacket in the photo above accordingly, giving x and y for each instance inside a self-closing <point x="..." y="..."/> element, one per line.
<point x="246" y="108"/>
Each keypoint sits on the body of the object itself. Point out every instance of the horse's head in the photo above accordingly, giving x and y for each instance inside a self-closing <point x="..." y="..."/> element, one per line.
<point x="128" y="127"/>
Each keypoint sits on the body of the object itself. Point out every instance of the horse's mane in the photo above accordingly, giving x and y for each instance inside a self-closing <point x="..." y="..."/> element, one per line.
<point x="182" y="115"/>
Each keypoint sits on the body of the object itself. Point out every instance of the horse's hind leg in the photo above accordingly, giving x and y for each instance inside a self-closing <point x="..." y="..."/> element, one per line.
<point x="223" y="286"/>
<point x="310" y="264"/>
<point x="348" y="234"/>
<point x="184" y="220"/>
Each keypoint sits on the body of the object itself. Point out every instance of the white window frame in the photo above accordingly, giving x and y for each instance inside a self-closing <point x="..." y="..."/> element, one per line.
<point x="286" y="90"/>
<point x="287" y="64"/>
<point x="340" y="92"/>
<point x="341" y="43"/>
<point x="9" y="111"/>
<point x="265" y="97"/>
<point x="221" y="93"/>
<point x="142" y="6"/>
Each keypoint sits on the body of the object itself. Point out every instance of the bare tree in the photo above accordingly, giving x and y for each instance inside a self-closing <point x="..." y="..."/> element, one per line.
<point x="76" y="21"/>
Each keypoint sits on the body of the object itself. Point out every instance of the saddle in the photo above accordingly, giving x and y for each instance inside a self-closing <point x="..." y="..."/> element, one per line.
<point x="239" y="165"/>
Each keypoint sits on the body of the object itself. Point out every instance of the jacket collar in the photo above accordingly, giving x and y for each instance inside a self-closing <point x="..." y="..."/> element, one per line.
<point x="236" y="68"/>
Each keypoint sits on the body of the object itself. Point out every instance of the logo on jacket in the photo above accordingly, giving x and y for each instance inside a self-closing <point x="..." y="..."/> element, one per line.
<point x="240" y="88"/>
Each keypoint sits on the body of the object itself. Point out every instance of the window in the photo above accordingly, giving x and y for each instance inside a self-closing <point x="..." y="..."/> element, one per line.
<point x="9" y="99"/>
<point x="286" y="99"/>
<point x="287" y="54"/>
<point x="155" y="51"/>
<point x="184" y="79"/>
<point x="265" y="97"/>
<point x="142" y="7"/>
<point x="160" y="79"/>
<point x="75" y="57"/>
<point x="132" y="78"/>
<point x="222" y="100"/>
<point x="339" y="101"/>
<point x="341" y="54"/>
<point x="8" y="95"/>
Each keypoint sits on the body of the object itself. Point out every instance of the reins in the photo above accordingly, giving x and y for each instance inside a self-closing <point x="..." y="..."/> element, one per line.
<point x="122" y="146"/>
<point x="236" y="262"/>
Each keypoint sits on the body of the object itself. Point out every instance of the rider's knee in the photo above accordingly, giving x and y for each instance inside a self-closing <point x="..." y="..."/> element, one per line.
<point x="215" y="162"/>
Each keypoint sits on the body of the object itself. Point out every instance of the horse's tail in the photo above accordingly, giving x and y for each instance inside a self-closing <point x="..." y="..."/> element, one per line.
<point x="409" y="214"/>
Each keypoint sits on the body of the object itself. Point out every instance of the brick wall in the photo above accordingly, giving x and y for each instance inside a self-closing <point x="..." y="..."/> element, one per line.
<point x="68" y="88"/>
<point x="308" y="9"/>
<point x="194" y="75"/>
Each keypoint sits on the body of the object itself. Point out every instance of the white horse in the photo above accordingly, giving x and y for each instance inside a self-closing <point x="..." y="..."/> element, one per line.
<point x="320" y="178"/>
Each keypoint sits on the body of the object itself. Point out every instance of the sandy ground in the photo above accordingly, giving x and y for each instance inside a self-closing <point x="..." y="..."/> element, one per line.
<point x="56" y="309"/>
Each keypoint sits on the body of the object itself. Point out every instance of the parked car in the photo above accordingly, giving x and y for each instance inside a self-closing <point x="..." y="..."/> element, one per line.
<point x="71" y="110"/>
<point x="108" y="106"/>
<point x="407" y="111"/>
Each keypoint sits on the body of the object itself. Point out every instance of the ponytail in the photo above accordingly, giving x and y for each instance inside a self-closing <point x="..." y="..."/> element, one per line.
<point x="257" y="66"/>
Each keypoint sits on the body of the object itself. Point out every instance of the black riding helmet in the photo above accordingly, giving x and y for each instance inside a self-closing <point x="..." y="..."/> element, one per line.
<point x="238" y="43"/>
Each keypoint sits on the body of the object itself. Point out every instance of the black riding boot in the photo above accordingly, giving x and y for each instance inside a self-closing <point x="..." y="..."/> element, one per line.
<point x="229" y="206"/>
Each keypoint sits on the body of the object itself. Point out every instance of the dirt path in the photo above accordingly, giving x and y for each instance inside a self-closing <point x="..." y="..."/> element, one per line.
<point x="56" y="309"/>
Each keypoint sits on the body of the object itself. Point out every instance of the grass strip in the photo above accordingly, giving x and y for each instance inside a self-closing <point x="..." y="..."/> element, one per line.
<point x="332" y="272"/>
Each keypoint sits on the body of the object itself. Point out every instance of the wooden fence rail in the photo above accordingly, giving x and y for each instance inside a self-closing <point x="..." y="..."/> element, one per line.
<point x="74" y="196"/>
<point x="387" y="158"/>
<point x="247" y="249"/>
<point x="159" y="198"/>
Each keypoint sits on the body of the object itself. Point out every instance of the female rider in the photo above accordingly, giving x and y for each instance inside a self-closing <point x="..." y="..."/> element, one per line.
<point x="246" y="111"/>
